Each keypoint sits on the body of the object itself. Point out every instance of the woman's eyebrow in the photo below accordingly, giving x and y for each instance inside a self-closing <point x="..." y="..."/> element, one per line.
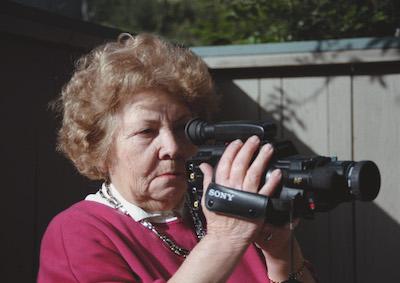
<point x="183" y="118"/>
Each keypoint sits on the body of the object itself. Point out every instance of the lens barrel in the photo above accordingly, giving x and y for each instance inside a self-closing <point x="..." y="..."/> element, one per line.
<point x="364" y="180"/>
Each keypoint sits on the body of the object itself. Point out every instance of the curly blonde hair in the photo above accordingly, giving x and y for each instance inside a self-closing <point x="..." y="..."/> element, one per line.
<point x="108" y="76"/>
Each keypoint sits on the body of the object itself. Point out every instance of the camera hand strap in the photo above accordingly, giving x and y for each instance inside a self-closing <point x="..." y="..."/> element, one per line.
<point x="292" y="273"/>
<point x="234" y="202"/>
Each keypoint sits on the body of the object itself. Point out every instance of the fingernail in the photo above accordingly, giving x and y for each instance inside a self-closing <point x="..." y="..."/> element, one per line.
<point x="254" y="139"/>
<point x="238" y="142"/>
<point x="277" y="173"/>
<point x="267" y="147"/>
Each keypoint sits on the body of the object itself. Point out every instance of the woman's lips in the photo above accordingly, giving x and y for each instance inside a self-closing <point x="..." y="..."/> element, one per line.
<point x="171" y="175"/>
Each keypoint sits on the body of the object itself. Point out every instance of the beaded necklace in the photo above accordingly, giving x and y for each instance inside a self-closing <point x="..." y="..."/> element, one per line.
<point x="168" y="242"/>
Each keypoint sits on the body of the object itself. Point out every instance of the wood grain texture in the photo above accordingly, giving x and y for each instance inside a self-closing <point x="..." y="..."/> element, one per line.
<point x="377" y="137"/>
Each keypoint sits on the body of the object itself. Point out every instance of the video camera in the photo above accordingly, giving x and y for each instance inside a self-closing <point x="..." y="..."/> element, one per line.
<point x="309" y="184"/>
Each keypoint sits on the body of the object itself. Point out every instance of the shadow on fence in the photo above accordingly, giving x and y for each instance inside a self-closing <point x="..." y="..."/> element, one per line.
<point x="355" y="242"/>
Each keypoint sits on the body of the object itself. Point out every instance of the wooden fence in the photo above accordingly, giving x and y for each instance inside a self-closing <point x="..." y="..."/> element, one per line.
<point x="331" y="98"/>
<point x="334" y="98"/>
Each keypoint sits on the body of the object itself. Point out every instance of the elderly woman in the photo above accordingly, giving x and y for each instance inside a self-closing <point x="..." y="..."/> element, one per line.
<point x="124" y="112"/>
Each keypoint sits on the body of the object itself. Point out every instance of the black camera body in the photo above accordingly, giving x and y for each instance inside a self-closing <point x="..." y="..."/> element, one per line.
<point x="309" y="184"/>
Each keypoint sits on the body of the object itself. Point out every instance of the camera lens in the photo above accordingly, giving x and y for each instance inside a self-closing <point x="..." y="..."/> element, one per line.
<point x="364" y="180"/>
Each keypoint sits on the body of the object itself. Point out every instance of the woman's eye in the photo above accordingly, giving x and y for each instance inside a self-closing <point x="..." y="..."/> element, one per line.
<point x="147" y="131"/>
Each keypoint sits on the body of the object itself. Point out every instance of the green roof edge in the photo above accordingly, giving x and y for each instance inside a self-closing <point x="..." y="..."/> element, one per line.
<point x="298" y="47"/>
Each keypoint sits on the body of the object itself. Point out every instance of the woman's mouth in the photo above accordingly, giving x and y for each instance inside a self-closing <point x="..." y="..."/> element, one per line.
<point x="171" y="175"/>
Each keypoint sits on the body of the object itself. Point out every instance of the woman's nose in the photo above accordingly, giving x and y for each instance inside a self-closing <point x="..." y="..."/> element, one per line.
<point x="169" y="146"/>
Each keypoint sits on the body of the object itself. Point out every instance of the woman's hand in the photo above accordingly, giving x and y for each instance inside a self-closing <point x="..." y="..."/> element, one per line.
<point x="275" y="240"/>
<point x="236" y="170"/>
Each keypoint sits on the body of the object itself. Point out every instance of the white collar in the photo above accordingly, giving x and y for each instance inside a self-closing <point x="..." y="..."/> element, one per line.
<point x="135" y="211"/>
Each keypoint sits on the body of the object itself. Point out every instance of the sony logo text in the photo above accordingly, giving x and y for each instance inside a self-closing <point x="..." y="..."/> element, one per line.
<point x="221" y="195"/>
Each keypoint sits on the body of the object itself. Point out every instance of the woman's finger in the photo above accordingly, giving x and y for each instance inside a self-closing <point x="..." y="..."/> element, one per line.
<point x="207" y="171"/>
<point x="272" y="183"/>
<point x="242" y="162"/>
<point x="225" y="163"/>
<point x="257" y="168"/>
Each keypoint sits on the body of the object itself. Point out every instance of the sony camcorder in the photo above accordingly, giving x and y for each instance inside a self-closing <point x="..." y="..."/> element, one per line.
<point x="309" y="184"/>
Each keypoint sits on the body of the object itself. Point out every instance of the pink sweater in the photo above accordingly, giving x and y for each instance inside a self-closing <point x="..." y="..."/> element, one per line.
<point x="91" y="242"/>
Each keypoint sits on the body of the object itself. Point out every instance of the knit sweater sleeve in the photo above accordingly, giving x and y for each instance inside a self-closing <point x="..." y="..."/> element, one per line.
<point x="75" y="248"/>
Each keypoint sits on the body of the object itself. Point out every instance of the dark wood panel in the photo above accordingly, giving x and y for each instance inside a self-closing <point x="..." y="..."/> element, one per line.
<point x="39" y="182"/>
<point x="377" y="243"/>
<point x="21" y="85"/>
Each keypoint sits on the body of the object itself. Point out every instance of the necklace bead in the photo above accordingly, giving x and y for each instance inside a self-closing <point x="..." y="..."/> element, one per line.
<point x="169" y="243"/>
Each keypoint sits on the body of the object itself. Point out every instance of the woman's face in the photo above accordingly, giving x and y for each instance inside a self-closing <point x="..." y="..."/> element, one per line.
<point x="150" y="150"/>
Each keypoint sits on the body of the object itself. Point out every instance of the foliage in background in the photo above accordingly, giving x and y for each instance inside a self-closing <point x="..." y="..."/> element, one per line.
<point x="216" y="22"/>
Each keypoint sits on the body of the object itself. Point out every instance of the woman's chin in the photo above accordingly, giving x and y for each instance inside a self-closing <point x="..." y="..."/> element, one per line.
<point x="170" y="195"/>
<point x="170" y="182"/>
